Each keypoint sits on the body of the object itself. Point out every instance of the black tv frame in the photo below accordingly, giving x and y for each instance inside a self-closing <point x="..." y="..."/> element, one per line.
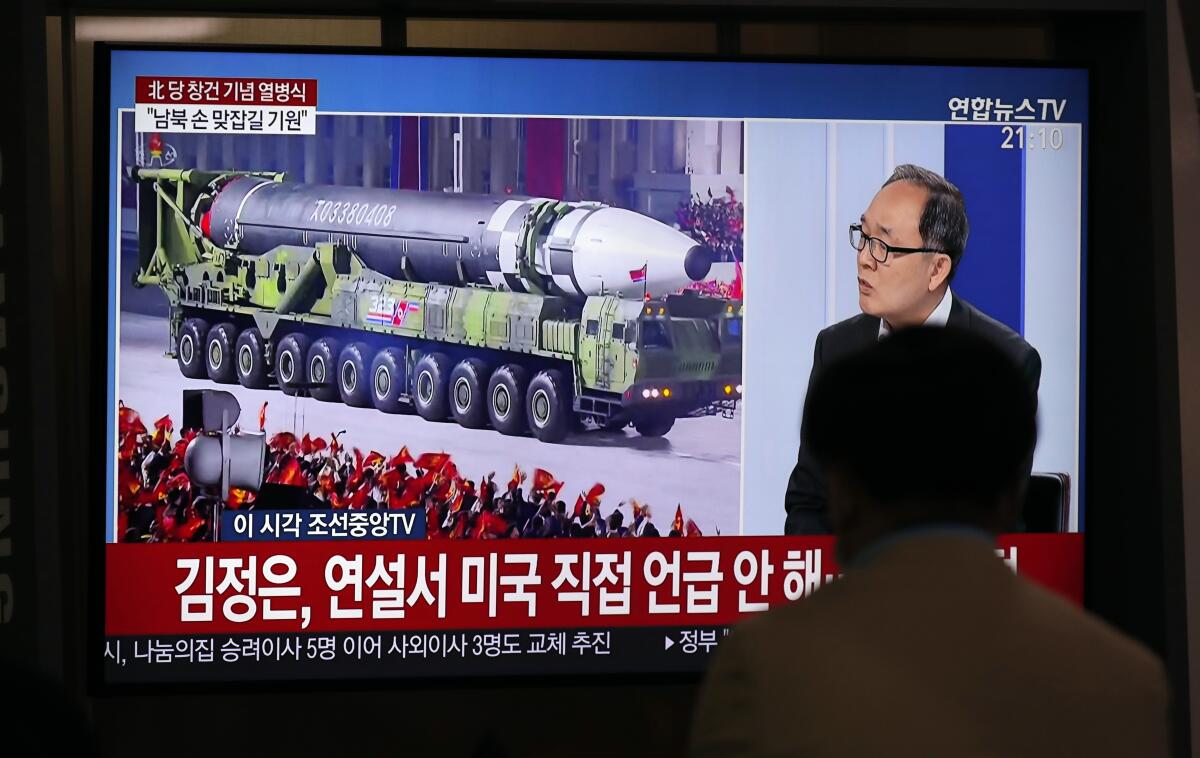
<point x="1131" y="446"/>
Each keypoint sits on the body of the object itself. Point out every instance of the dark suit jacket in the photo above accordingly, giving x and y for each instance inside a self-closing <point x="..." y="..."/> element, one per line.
<point x="805" y="499"/>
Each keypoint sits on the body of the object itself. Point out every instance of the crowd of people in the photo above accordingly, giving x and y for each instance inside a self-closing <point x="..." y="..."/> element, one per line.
<point x="157" y="502"/>
<point x="716" y="288"/>
<point x="717" y="222"/>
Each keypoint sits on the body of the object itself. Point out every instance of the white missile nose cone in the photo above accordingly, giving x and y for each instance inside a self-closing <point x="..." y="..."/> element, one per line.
<point x="613" y="244"/>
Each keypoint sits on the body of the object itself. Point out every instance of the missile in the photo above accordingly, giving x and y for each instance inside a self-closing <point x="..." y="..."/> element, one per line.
<point x="524" y="244"/>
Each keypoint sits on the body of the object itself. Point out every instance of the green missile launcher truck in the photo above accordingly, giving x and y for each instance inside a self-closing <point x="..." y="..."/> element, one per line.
<point x="453" y="307"/>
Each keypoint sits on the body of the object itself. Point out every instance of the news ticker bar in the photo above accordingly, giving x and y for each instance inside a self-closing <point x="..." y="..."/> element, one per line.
<point x="398" y="655"/>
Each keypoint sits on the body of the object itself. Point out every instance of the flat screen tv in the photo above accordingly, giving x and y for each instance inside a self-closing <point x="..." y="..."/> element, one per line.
<point x="434" y="366"/>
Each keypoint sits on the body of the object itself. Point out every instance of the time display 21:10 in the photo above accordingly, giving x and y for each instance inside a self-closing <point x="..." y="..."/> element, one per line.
<point x="1019" y="138"/>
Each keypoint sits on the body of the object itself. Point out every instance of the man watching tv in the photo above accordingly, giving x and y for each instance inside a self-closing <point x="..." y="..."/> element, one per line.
<point x="928" y="644"/>
<point x="909" y="241"/>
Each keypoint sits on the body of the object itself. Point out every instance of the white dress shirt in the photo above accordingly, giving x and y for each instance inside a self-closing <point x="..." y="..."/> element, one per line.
<point x="939" y="317"/>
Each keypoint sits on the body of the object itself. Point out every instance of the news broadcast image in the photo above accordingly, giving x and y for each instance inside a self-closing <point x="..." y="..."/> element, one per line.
<point x="469" y="377"/>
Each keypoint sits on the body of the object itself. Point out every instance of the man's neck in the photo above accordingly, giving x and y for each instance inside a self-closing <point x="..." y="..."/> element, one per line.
<point x="857" y="553"/>
<point x="920" y="313"/>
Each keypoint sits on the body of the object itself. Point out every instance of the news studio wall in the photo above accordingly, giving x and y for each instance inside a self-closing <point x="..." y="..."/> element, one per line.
<point x="1024" y="266"/>
<point x="474" y="378"/>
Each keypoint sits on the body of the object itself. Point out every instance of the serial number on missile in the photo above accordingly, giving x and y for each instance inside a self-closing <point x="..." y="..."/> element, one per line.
<point x="339" y="212"/>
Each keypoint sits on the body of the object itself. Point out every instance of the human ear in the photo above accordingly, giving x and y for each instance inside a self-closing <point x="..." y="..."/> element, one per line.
<point x="939" y="271"/>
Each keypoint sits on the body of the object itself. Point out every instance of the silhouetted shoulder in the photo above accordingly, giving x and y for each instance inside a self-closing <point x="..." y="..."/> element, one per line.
<point x="1124" y="659"/>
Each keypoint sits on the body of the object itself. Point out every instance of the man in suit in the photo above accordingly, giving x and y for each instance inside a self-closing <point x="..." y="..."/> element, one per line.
<point x="928" y="644"/>
<point x="910" y="241"/>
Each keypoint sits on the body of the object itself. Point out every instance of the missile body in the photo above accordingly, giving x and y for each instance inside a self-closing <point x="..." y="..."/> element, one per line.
<point x="517" y="243"/>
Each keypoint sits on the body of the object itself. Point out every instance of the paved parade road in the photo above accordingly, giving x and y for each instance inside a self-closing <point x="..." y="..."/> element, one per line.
<point x="696" y="464"/>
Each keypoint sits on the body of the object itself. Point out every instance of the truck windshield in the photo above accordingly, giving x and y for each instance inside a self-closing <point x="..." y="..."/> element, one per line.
<point x="655" y="334"/>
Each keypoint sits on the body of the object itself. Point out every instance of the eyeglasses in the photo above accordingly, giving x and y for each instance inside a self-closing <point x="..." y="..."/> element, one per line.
<point x="879" y="249"/>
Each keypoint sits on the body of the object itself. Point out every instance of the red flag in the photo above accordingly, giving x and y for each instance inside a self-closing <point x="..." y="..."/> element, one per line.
<point x="262" y="417"/>
<point x="318" y="444"/>
<point x="282" y="441"/>
<point x="162" y="430"/>
<point x="167" y="485"/>
<point x="638" y="274"/>
<point x="356" y="474"/>
<point x="238" y="498"/>
<point x="401" y="458"/>
<point x="543" y="481"/>
<point x="588" y="502"/>
<point x="187" y="530"/>
<point x="127" y="482"/>
<point x="372" y="459"/>
<point x="181" y="446"/>
<point x="128" y="447"/>
<point x="128" y="421"/>
<point x="292" y="474"/>
<point x="692" y="530"/>
<point x="593" y="495"/>
<point x="517" y="477"/>
<point x="432" y="461"/>
<point x="677" y="524"/>
<point x="735" y="291"/>
<point x="306" y="445"/>
<point x="490" y="525"/>
<point x="443" y="487"/>
<point x="393" y="479"/>
<point x="414" y="489"/>
<point x="487" y="490"/>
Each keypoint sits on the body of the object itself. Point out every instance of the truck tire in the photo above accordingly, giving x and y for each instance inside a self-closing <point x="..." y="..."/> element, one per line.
<point x="468" y="393"/>
<point x="654" y="426"/>
<point x="290" y="356"/>
<point x="548" y="405"/>
<point x="322" y="370"/>
<point x="430" y="382"/>
<point x="189" y="348"/>
<point x="219" y="353"/>
<point x="506" y="399"/>
<point x="388" y="381"/>
<point x="353" y="375"/>
<point x="251" y="360"/>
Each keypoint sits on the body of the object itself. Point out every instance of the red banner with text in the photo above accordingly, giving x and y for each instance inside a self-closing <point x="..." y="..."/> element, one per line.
<point x="472" y="584"/>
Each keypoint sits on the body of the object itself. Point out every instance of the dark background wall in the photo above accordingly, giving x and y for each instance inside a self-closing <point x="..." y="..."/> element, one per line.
<point x="1136" y="474"/>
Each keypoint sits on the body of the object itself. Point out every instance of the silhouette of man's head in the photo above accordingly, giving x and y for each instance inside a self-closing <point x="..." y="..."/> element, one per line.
<point x="928" y="426"/>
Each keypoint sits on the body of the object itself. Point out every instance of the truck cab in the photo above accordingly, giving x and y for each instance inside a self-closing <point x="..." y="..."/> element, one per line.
<point x="662" y="358"/>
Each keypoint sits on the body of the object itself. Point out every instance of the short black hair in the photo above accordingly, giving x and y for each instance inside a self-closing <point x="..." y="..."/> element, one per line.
<point x="943" y="224"/>
<point x="936" y="418"/>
